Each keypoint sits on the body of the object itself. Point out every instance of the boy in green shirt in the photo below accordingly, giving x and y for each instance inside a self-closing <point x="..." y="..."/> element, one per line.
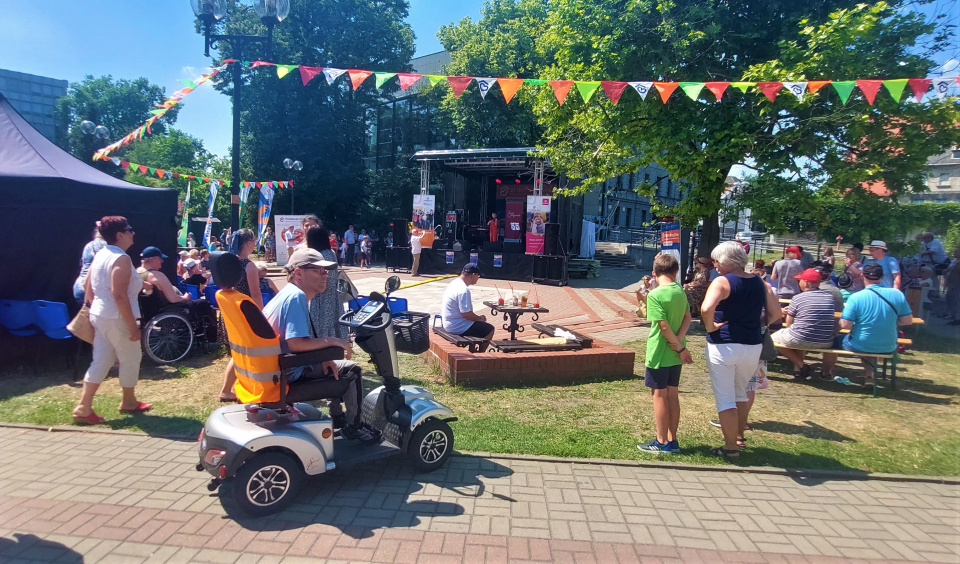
<point x="669" y="314"/>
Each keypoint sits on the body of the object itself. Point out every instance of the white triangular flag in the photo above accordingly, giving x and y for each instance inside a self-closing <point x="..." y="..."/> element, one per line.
<point x="115" y="161"/>
<point x="941" y="86"/>
<point x="485" y="83"/>
<point x="642" y="88"/>
<point x="796" y="88"/>
<point x="333" y="74"/>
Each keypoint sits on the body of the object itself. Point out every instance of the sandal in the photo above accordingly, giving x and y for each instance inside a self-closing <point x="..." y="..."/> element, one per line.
<point x="742" y="442"/>
<point x="141" y="407"/>
<point x="91" y="419"/>
<point x="724" y="453"/>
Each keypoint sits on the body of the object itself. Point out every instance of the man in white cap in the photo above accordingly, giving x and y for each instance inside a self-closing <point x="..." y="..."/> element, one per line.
<point x="289" y="315"/>
<point x="890" y="265"/>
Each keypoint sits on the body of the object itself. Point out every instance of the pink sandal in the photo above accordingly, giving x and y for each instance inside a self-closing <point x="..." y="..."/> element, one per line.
<point x="141" y="407"/>
<point x="91" y="419"/>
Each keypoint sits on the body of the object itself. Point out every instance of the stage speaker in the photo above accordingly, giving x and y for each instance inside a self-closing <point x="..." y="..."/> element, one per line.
<point x="549" y="270"/>
<point x="400" y="236"/>
<point x="551" y="237"/>
<point x="509" y="247"/>
<point x="493" y="246"/>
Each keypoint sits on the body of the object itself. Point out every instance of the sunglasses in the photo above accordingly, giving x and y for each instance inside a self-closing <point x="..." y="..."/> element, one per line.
<point x="128" y="229"/>
<point x="323" y="271"/>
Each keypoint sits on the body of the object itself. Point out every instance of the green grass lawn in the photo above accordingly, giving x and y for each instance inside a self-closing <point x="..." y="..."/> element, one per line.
<point x="819" y="425"/>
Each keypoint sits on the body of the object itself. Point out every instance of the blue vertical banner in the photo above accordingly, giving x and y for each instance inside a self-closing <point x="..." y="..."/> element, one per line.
<point x="263" y="210"/>
<point x="244" y="196"/>
<point x="208" y="230"/>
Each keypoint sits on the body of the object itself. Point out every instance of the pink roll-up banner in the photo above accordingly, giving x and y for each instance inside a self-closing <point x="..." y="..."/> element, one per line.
<point x="538" y="214"/>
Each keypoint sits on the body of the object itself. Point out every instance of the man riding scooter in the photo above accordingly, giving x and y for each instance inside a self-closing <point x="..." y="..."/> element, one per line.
<point x="289" y="315"/>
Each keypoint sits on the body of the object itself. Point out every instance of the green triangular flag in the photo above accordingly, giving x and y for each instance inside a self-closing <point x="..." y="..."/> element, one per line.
<point x="587" y="89"/>
<point x="158" y="112"/>
<point x="844" y="88"/>
<point x="189" y="83"/>
<point x="284" y="70"/>
<point x="152" y="171"/>
<point x="895" y="87"/>
<point x="434" y="78"/>
<point x="535" y="81"/>
<point x="691" y="89"/>
<point x="382" y="77"/>
<point x="742" y="86"/>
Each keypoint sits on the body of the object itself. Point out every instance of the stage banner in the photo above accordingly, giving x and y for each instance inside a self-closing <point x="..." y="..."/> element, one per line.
<point x="513" y="225"/>
<point x="208" y="230"/>
<point x="670" y="239"/>
<point x="263" y="211"/>
<point x="185" y="224"/>
<point x="538" y="214"/>
<point x="289" y="235"/>
<point x="423" y="211"/>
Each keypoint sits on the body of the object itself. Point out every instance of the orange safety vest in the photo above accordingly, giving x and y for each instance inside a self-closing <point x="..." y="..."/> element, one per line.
<point x="254" y="346"/>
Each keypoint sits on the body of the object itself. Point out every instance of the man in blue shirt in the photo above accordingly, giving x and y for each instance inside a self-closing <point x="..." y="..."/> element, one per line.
<point x="872" y="316"/>
<point x="289" y="315"/>
<point x="890" y="265"/>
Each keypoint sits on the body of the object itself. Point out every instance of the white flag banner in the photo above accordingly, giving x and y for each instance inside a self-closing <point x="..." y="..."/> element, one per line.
<point x="208" y="230"/>
<point x="796" y="88"/>
<point x="485" y="83"/>
<point x="333" y="74"/>
<point x="941" y="86"/>
<point x="642" y="88"/>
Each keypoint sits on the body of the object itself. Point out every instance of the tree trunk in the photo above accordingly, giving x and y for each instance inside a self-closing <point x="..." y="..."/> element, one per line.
<point x="709" y="234"/>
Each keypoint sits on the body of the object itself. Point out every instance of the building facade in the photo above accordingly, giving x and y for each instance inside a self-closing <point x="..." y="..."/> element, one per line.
<point x="618" y="207"/>
<point x="35" y="97"/>
<point x="943" y="182"/>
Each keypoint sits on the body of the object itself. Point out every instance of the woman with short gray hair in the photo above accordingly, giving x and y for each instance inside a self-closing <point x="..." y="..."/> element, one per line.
<point x="731" y="313"/>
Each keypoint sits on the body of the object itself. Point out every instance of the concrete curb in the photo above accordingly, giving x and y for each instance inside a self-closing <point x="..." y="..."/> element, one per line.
<point x="653" y="465"/>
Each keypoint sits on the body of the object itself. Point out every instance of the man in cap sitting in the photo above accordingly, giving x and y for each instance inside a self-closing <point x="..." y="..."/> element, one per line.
<point x="785" y="272"/>
<point x="289" y="315"/>
<point x="457" y="308"/>
<point x="151" y="259"/>
<point x="810" y="322"/>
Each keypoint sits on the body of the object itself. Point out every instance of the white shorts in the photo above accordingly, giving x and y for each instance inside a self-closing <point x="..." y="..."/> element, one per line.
<point x="731" y="367"/>
<point x="111" y="343"/>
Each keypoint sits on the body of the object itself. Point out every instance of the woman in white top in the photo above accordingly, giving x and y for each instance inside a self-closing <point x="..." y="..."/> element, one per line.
<point x="111" y="289"/>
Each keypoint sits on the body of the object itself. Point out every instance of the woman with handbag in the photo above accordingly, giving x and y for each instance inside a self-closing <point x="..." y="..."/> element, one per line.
<point x="112" y="287"/>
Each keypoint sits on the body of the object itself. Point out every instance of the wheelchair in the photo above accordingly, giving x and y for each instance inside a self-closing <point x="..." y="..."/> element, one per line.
<point x="171" y="330"/>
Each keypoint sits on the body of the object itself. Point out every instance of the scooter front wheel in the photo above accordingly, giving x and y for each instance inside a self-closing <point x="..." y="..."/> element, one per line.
<point x="430" y="445"/>
<point x="265" y="484"/>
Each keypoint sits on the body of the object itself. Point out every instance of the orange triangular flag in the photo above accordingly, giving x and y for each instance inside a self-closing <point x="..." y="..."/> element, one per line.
<point x="407" y="80"/>
<point x="666" y="89"/>
<point x="358" y="76"/>
<point x="770" y="89"/>
<point x="458" y="84"/>
<point x="509" y="87"/>
<point x="814" y="85"/>
<point x="561" y="88"/>
<point x="160" y="172"/>
<point x="717" y="88"/>
<point x="307" y="73"/>
<point x="869" y="89"/>
<point x="613" y="89"/>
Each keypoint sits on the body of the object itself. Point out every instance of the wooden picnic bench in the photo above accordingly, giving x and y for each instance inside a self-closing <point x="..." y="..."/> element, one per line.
<point x="549" y="330"/>
<point x="881" y="371"/>
<point x="472" y="344"/>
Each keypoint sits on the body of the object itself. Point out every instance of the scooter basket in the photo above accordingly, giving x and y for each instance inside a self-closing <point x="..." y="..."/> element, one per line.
<point x="411" y="331"/>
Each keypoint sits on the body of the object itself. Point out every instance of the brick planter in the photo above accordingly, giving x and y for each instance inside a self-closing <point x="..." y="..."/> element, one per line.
<point x="518" y="369"/>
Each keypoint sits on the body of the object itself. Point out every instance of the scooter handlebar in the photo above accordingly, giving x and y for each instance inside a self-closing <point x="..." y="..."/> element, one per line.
<point x="347" y="317"/>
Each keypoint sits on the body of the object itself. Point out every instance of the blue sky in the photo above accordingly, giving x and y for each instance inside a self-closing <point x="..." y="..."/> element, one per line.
<point x="68" y="39"/>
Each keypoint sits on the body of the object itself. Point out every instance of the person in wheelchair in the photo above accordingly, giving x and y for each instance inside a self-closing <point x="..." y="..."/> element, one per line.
<point x="289" y="315"/>
<point x="164" y="293"/>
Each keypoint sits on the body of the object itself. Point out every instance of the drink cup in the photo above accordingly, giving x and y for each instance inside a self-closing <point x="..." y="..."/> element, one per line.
<point x="523" y="301"/>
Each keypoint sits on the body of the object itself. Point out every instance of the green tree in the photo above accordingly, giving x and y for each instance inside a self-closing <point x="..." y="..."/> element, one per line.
<point x="322" y="126"/>
<point x="119" y="105"/>
<point x="818" y="142"/>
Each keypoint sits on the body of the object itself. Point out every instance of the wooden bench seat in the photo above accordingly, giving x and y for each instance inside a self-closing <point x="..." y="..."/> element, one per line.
<point x="472" y="344"/>
<point x="880" y="372"/>
<point x="549" y="330"/>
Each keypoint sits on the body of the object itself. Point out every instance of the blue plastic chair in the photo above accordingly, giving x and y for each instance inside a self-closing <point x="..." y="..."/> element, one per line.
<point x="193" y="290"/>
<point x="358" y="302"/>
<point x="52" y="318"/>
<point x="210" y="293"/>
<point x="397" y="305"/>
<point x="17" y="317"/>
<point x="267" y="296"/>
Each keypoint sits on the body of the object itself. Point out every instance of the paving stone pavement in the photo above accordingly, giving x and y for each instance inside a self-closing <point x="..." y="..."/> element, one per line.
<point x="120" y="497"/>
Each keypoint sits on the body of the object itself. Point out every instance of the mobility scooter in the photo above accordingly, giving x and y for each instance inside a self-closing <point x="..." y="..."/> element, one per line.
<point x="259" y="453"/>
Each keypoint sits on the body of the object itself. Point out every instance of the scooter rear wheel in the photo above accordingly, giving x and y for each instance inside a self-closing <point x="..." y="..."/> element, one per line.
<point x="265" y="484"/>
<point x="431" y="445"/>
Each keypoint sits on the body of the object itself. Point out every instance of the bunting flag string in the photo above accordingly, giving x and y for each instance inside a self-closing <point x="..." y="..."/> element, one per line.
<point x="160" y="173"/>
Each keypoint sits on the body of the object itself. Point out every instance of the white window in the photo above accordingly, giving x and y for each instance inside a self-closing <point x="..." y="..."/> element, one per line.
<point x="944" y="178"/>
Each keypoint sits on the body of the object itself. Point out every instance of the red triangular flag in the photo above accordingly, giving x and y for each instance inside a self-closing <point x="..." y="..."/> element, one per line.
<point x="509" y="87"/>
<point x="160" y="172"/>
<point x="561" y="88"/>
<point x="256" y="64"/>
<point x="666" y="89"/>
<point x="870" y="89"/>
<point x="258" y="184"/>
<point x="613" y="89"/>
<point x="408" y="79"/>
<point x="205" y="179"/>
<point x="125" y="164"/>
<point x="358" y="76"/>
<point x="458" y="84"/>
<point x="290" y="183"/>
<point x="176" y="175"/>
<point x="717" y="88"/>
<point x="919" y="87"/>
<point x="142" y="169"/>
<point x="307" y="73"/>
<point x="770" y="89"/>
<point x="814" y="85"/>
<point x="191" y="177"/>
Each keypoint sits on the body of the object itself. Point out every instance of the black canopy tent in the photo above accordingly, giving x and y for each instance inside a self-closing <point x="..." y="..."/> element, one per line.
<point x="49" y="203"/>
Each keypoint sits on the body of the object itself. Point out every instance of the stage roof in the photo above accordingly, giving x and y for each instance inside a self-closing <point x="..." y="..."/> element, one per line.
<point x="509" y="160"/>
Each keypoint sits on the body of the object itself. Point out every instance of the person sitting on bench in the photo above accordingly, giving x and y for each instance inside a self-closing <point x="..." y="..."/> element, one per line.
<point x="872" y="316"/>
<point x="457" y="308"/>
<point x="810" y="323"/>
<point x="289" y="315"/>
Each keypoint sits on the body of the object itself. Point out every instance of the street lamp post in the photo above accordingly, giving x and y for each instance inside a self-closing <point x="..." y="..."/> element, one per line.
<point x="295" y="167"/>
<point x="209" y="12"/>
